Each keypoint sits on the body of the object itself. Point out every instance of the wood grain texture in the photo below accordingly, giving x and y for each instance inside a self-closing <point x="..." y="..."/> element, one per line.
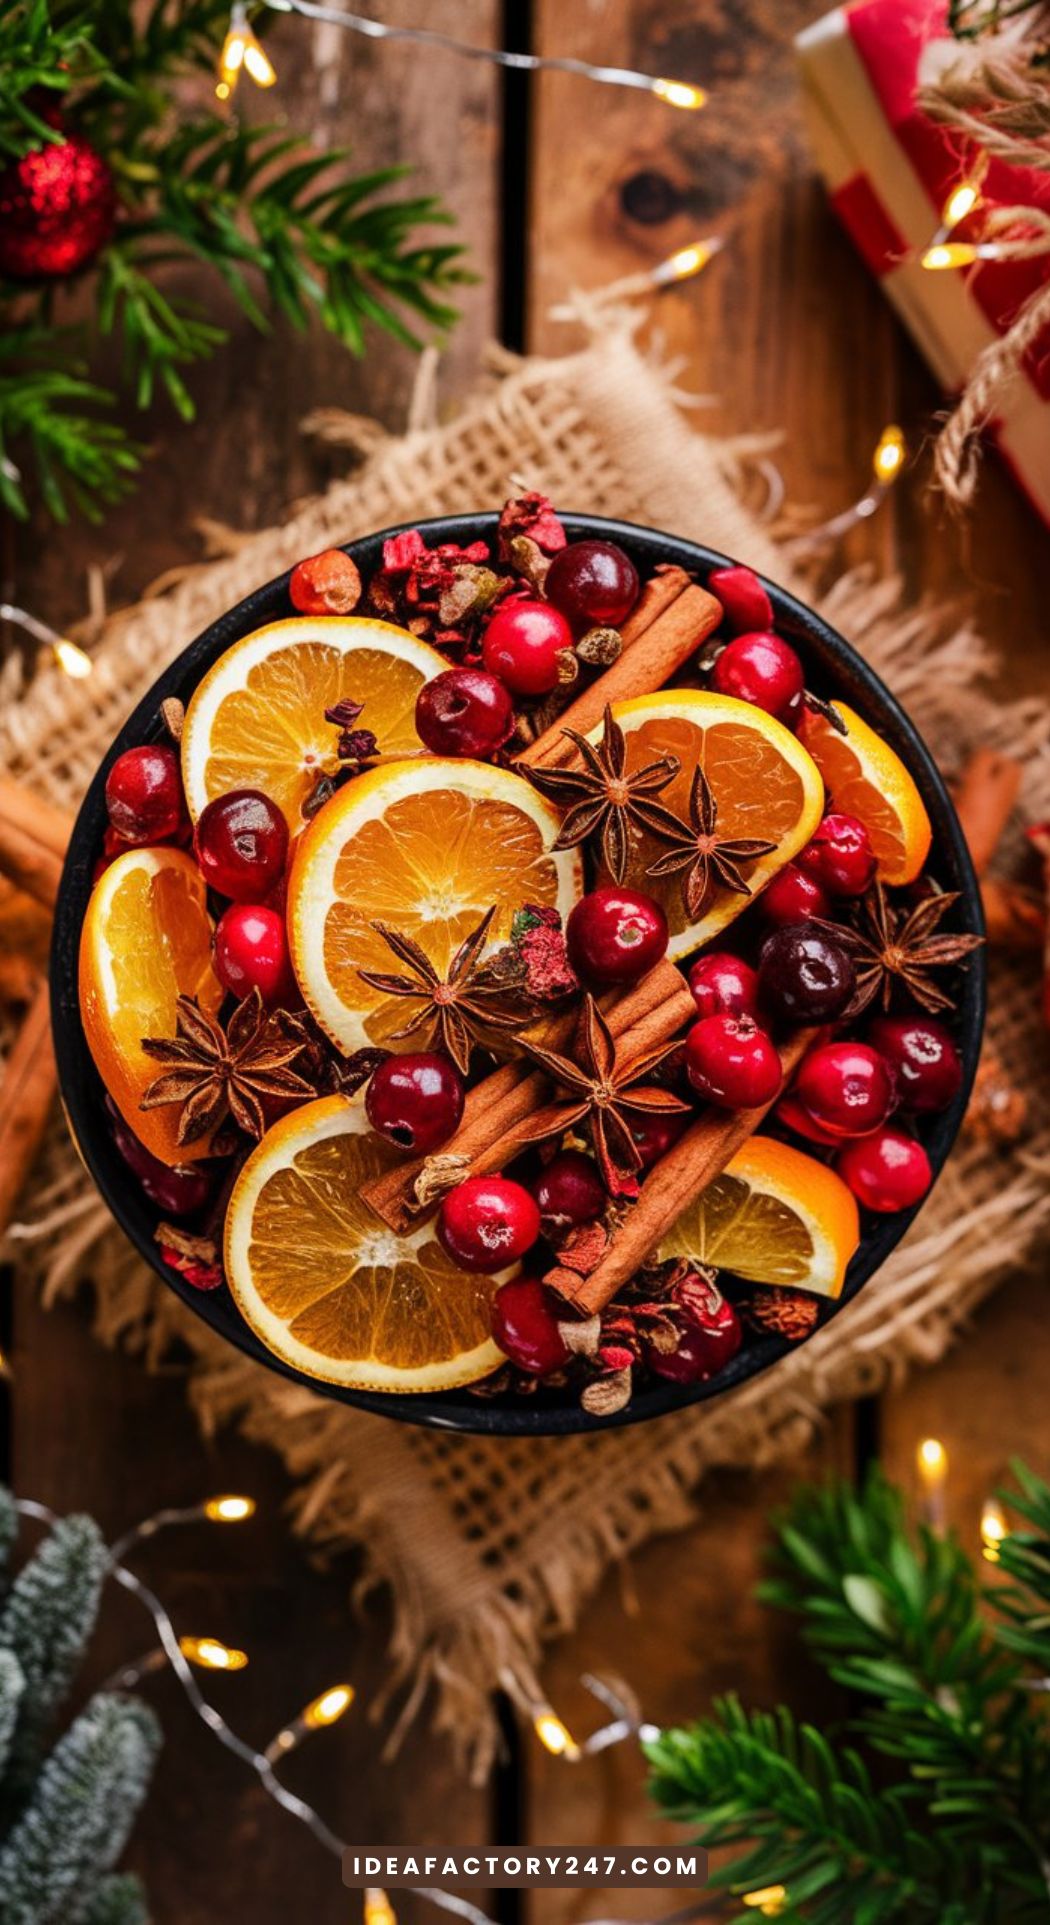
<point x="786" y="332"/>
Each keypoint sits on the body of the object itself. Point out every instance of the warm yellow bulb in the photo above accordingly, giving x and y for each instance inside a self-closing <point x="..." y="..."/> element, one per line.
<point x="950" y="254"/>
<point x="993" y="1529"/>
<point x="378" y="1909"/>
<point x="678" y="93"/>
<point x="329" y="1706"/>
<point x="231" y="59"/>
<point x="888" y="459"/>
<point x="229" y="1510"/>
<point x="211" y="1655"/>
<point x="932" y="1457"/>
<point x="554" y="1735"/>
<point x="257" y="63"/>
<point x="689" y="260"/>
<point x="770" y="1901"/>
<point x="961" y="201"/>
<point x="71" y="659"/>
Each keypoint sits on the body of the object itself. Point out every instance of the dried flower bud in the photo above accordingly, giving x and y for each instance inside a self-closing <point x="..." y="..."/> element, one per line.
<point x="600" y="647"/>
<point x="784" y="1313"/>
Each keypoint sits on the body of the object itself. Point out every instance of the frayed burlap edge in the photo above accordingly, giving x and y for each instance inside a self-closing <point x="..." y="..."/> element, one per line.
<point x="489" y="1548"/>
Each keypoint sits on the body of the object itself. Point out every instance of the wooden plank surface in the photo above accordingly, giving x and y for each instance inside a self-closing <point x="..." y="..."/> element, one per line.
<point x="787" y="332"/>
<point x="90" y="1428"/>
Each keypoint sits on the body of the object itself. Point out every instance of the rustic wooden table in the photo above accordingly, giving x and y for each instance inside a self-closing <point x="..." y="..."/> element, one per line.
<point x="554" y="185"/>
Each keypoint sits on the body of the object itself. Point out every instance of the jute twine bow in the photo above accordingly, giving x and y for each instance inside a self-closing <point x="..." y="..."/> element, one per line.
<point x="999" y="102"/>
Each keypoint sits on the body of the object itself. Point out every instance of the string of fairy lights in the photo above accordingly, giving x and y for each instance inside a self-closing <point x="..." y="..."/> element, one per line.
<point x="186" y="1655"/>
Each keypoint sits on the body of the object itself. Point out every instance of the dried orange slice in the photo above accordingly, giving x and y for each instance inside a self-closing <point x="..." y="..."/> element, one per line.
<point x="774" y="1216"/>
<point x="326" y="1286"/>
<point x="256" y="721"/>
<point x="146" y="940"/>
<point x="866" y="778"/>
<point x="426" y="847"/>
<point x="766" y="786"/>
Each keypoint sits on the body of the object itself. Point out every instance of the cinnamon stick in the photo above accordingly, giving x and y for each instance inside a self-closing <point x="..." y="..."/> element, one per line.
<point x="984" y="796"/>
<point x="644" y="667"/>
<point x="496" y="1109"/>
<point x="662" y="588"/>
<point x="675" y="1182"/>
<point x="26" y="1094"/>
<point x="34" y="835"/>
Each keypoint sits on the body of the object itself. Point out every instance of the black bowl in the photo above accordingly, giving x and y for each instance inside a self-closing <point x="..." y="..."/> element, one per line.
<point x="832" y="668"/>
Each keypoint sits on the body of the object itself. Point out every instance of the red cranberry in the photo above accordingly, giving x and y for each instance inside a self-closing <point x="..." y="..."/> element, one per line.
<point x="144" y="794"/>
<point x="924" y="1059"/>
<point x="488" y="1222"/>
<point x="792" y="896"/>
<point x="745" y="604"/>
<point x="886" y="1171"/>
<point x="840" y="857"/>
<point x="795" y="1116"/>
<point x="804" y="976"/>
<point x="177" y="1190"/>
<point x="526" y="1328"/>
<point x="847" y="1087"/>
<point x="710" y="1333"/>
<point x="241" y="844"/>
<point x="615" y="935"/>
<point x="251" y="952"/>
<point x="569" y="1191"/>
<point x="593" y="584"/>
<point x="325" y="584"/>
<point x="415" y="1101"/>
<point x="732" y="1062"/>
<point x="464" y="711"/>
<point x="654" y="1135"/>
<point x="723" y="985"/>
<point x="764" y="670"/>
<point x="522" y="644"/>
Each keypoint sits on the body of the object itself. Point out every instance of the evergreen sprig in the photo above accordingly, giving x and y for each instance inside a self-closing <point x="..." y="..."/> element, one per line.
<point x="931" y="1804"/>
<point x="286" y="230"/>
<point x="67" y="1803"/>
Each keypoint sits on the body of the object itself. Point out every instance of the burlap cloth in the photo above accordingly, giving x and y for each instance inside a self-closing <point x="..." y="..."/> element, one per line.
<point x="490" y="1547"/>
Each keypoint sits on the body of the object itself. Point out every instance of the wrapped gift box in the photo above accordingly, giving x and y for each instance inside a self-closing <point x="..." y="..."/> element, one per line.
<point x="890" y="170"/>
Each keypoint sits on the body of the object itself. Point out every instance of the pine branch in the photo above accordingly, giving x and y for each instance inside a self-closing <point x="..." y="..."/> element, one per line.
<point x="116" y="1900"/>
<point x="951" y="1825"/>
<point x="54" y="429"/>
<point x="810" y="1816"/>
<point x="82" y="1807"/>
<point x="47" y="1620"/>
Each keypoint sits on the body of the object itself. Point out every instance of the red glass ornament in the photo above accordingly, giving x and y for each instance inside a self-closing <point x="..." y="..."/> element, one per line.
<point x="57" y="208"/>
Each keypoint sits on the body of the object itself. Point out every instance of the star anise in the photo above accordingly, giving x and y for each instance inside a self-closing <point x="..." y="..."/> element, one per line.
<point x="892" y="946"/>
<point x="706" y="857"/>
<point x="602" y="800"/>
<point x="214" y="1073"/>
<point x="606" y="1091"/>
<point x="458" y="1008"/>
